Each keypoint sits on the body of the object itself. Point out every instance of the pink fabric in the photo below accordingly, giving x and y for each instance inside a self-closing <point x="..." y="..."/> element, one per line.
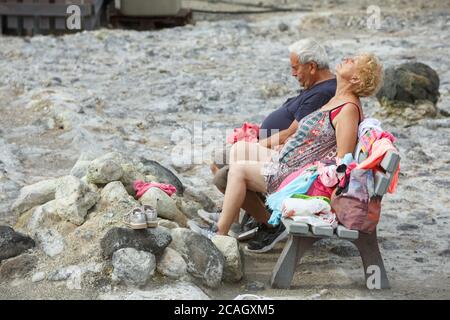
<point x="141" y="187"/>
<point x="377" y="152"/>
<point x="249" y="132"/>
<point x="346" y="176"/>
<point x="368" y="139"/>
<point x="319" y="189"/>
<point x="294" y="175"/>
<point x="327" y="175"/>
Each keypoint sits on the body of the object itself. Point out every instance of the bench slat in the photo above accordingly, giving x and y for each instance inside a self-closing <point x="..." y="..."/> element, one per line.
<point x="322" y="231"/>
<point x="293" y="227"/>
<point x="344" y="233"/>
<point x="390" y="161"/>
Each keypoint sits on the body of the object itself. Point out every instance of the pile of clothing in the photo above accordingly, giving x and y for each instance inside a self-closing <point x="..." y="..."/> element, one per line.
<point x="305" y="194"/>
<point x="249" y="132"/>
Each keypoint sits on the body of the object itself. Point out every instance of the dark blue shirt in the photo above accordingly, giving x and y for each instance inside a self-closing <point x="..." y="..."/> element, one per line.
<point x="296" y="108"/>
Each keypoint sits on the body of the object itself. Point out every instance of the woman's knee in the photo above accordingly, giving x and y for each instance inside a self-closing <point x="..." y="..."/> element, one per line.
<point x="236" y="170"/>
<point x="238" y="151"/>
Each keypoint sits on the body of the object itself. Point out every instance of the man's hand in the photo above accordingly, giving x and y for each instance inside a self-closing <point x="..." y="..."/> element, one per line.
<point x="279" y="138"/>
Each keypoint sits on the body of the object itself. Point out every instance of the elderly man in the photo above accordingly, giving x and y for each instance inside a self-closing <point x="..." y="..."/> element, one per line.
<point x="309" y="65"/>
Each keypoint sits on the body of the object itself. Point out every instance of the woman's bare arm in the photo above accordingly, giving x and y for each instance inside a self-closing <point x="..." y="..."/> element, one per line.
<point x="346" y="124"/>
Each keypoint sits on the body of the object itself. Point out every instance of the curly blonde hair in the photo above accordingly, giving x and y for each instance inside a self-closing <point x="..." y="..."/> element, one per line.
<point x="370" y="72"/>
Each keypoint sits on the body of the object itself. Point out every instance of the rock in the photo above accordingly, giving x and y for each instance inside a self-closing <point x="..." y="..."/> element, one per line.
<point x="73" y="199"/>
<point x="419" y="259"/>
<point x="172" y="264"/>
<point x="153" y="240"/>
<point x="130" y="174"/>
<point x="232" y="271"/>
<point x="200" y="197"/>
<point x="80" y="168"/>
<point x="410" y="91"/>
<point x="13" y="243"/>
<point x="114" y="197"/>
<point x="163" y="174"/>
<point x="34" y="195"/>
<point x="73" y="274"/>
<point x="44" y="216"/>
<point x="105" y="169"/>
<point x="407" y="227"/>
<point x="50" y="241"/>
<point x="165" y="205"/>
<point x="188" y="207"/>
<point x="283" y="27"/>
<point x="167" y="224"/>
<point x="132" y="267"/>
<point x="203" y="259"/>
<point x="18" y="267"/>
<point x="38" y="276"/>
<point x="410" y="82"/>
<point x="345" y="250"/>
<point x="62" y="274"/>
<point x="176" y="291"/>
<point x="445" y="253"/>
<point x="255" y="286"/>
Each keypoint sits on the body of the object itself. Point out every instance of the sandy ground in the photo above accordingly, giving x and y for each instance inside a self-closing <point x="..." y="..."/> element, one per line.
<point x="130" y="91"/>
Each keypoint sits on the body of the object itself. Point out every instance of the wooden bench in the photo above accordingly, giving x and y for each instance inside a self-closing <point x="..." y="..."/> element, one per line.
<point x="302" y="236"/>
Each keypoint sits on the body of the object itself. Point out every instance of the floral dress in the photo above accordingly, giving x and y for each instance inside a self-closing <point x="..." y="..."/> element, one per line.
<point x="314" y="140"/>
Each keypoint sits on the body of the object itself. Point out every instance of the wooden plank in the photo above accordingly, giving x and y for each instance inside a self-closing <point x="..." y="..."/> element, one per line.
<point x="61" y="23"/>
<point x="29" y="21"/>
<point x="43" y="23"/>
<point x="295" y="228"/>
<point x="36" y="9"/>
<point x="382" y="181"/>
<point x="390" y="161"/>
<point x="12" y="22"/>
<point x="344" y="233"/>
<point x="322" y="231"/>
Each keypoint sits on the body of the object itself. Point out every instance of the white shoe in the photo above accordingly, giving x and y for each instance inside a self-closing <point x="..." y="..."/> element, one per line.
<point x="206" y="232"/>
<point x="135" y="219"/>
<point x="210" y="217"/>
<point x="151" y="216"/>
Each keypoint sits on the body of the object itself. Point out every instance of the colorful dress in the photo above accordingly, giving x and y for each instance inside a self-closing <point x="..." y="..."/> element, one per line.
<point x="314" y="140"/>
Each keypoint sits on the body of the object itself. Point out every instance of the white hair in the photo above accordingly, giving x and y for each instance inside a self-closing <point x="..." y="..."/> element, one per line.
<point x="308" y="50"/>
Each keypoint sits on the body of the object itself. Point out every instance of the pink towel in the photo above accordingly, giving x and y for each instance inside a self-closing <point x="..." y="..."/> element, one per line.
<point x="249" y="132"/>
<point x="377" y="152"/>
<point x="141" y="187"/>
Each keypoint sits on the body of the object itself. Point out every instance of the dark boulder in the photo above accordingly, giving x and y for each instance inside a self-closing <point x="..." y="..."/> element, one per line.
<point x="13" y="243"/>
<point x="153" y="240"/>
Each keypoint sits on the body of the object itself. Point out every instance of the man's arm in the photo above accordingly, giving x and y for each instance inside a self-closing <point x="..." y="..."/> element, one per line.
<point x="280" y="137"/>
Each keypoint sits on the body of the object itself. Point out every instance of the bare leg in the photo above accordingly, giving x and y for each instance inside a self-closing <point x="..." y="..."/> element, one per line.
<point x="245" y="173"/>
<point x="253" y="204"/>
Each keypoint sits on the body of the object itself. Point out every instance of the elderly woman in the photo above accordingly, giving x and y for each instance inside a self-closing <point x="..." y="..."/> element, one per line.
<point x="324" y="134"/>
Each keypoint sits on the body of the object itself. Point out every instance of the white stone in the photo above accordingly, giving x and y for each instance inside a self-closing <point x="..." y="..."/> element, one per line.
<point x="229" y="247"/>
<point x="50" y="241"/>
<point x="73" y="199"/>
<point x="176" y="291"/>
<point x="172" y="264"/>
<point x="133" y="267"/>
<point x="34" y="195"/>
<point x="38" y="276"/>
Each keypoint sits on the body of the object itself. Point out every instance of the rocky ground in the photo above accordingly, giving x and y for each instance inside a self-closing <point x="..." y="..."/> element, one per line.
<point x="70" y="99"/>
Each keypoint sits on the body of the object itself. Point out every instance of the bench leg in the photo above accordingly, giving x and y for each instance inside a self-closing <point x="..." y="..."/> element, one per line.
<point x="367" y="245"/>
<point x="293" y="251"/>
